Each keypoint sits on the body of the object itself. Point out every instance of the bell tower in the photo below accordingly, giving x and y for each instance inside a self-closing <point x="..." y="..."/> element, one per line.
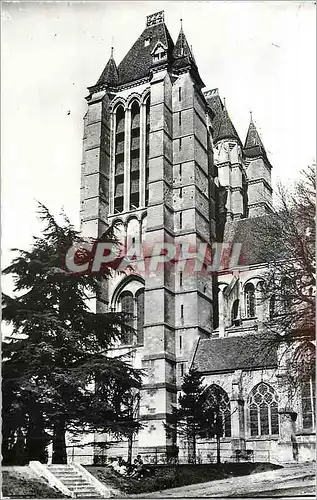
<point x="148" y="169"/>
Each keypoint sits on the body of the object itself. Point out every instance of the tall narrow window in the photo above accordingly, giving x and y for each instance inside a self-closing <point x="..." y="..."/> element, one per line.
<point x="140" y="316"/>
<point x="286" y="292"/>
<point x="182" y="311"/>
<point x="263" y="411"/>
<point x="119" y="160"/>
<point x="180" y="144"/>
<point x="127" y="307"/>
<point x="249" y="294"/>
<point x="181" y="192"/>
<point x="180" y="171"/>
<point x="272" y="307"/>
<point x="180" y="119"/>
<point x="180" y="342"/>
<point x="147" y="151"/>
<point x="135" y="157"/>
<point x="180" y="220"/>
<point x="181" y="278"/>
<point x="182" y="369"/>
<point x="220" y="405"/>
<point x="305" y="358"/>
<point x="235" y="312"/>
<point x="179" y="93"/>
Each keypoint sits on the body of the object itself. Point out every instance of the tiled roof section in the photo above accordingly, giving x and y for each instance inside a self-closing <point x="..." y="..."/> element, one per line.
<point x="235" y="353"/>
<point x="224" y="128"/>
<point x="214" y="101"/>
<point x="253" y="138"/>
<point x="138" y="61"/>
<point x="222" y="124"/>
<point x="182" y="49"/>
<point x="110" y="73"/>
<point x="253" y="144"/>
<point x="251" y="233"/>
<point x="183" y="58"/>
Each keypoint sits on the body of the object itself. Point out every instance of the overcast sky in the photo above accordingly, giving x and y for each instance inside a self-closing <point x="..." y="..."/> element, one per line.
<point x="261" y="56"/>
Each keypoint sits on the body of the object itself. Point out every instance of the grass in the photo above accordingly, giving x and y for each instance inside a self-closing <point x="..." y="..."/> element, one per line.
<point x="168" y="476"/>
<point x="16" y="485"/>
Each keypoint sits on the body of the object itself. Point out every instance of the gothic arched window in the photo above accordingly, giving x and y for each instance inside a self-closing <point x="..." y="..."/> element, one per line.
<point x="249" y="294"/>
<point x="263" y="413"/>
<point x="135" y="157"/>
<point x="129" y="299"/>
<point x="119" y="159"/>
<point x="219" y="401"/>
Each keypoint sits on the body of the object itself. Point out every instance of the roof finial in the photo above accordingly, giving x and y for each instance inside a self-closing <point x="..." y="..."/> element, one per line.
<point x="251" y="119"/>
<point x="224" y="103"/>
<point x="112" y="46"/>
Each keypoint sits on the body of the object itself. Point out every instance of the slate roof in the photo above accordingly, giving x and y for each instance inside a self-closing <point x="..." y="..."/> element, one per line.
<point x="253" y="138"/>
<point x="254" y="233"/>
<point x="235" y="353"/>
<point x="138" y="61"/>
<point x="253" y="144"/>
<point x="110" y="73"/>
<point x="224" y="128"/>
<point x="182" y="49"/>
<point x="222" y="124"/>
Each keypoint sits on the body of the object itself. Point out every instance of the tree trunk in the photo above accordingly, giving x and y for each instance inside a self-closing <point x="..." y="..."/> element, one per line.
<point x="59" y="442"/>
<point x="218" y="449"/>
<point x="37" y="439"/>
<point x="191" y="443"/>
<point x="130" y="446"/>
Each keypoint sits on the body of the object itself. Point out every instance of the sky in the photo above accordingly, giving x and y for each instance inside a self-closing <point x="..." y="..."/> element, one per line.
<point x="261" y="56"/>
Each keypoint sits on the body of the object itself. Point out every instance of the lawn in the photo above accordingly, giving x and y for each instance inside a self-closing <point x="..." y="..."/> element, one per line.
<point x="169" y="476"/>
<point x="16" y="485"/>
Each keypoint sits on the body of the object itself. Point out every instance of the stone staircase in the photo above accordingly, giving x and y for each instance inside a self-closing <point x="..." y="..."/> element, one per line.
<point x="77" y="483"/>
<point x="73" y="480"/>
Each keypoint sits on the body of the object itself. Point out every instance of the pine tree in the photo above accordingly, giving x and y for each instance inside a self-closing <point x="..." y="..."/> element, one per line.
<point x="188" y="419"/>
<point x="60" y="348"/>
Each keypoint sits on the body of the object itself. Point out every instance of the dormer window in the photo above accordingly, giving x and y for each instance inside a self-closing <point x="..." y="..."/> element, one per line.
<point x="147" y="42"/>
<point x="159" y="52"/>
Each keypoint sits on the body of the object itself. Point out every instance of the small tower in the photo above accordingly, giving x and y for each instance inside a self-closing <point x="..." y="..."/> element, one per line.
<point x="228" y="158"/>
<point x="258" y="173"/>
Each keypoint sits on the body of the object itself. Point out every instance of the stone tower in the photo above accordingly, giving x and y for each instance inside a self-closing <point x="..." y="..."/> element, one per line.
<point x="148" y="169"/>
<point x="258" y="170"/>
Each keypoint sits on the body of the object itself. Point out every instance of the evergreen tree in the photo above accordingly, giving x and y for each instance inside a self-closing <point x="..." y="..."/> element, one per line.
<point x="59" y="349"/>
<point x="188" y="419"/>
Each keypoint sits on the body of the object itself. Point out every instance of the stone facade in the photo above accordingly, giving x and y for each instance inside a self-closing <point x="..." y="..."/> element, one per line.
<point x="162" y="162"/>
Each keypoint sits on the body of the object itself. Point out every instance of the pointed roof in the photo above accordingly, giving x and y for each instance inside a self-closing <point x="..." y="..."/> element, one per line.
<point x="224" y="128"/>
<point x="182" y="48"/>
<point x="183" y="57"/>
<point x="138" y="61"/>
<point x="253" y="145"/>
<point x="253" y="138"/>
<point x="109" y="75"/>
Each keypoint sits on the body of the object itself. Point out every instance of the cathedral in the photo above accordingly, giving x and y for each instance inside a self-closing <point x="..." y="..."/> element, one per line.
<point x="162" y="161"/>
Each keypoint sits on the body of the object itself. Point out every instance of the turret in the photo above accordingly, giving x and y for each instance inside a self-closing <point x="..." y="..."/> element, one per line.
<point x="228" y="158"/>
<point x="258" y="170"/>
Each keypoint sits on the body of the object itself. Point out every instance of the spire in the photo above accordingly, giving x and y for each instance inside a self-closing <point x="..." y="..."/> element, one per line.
<point x="225" y="128"/>
<point x="109" y="75"/>
<point x="182" y="49"/>
<point x="253" y="138"/>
